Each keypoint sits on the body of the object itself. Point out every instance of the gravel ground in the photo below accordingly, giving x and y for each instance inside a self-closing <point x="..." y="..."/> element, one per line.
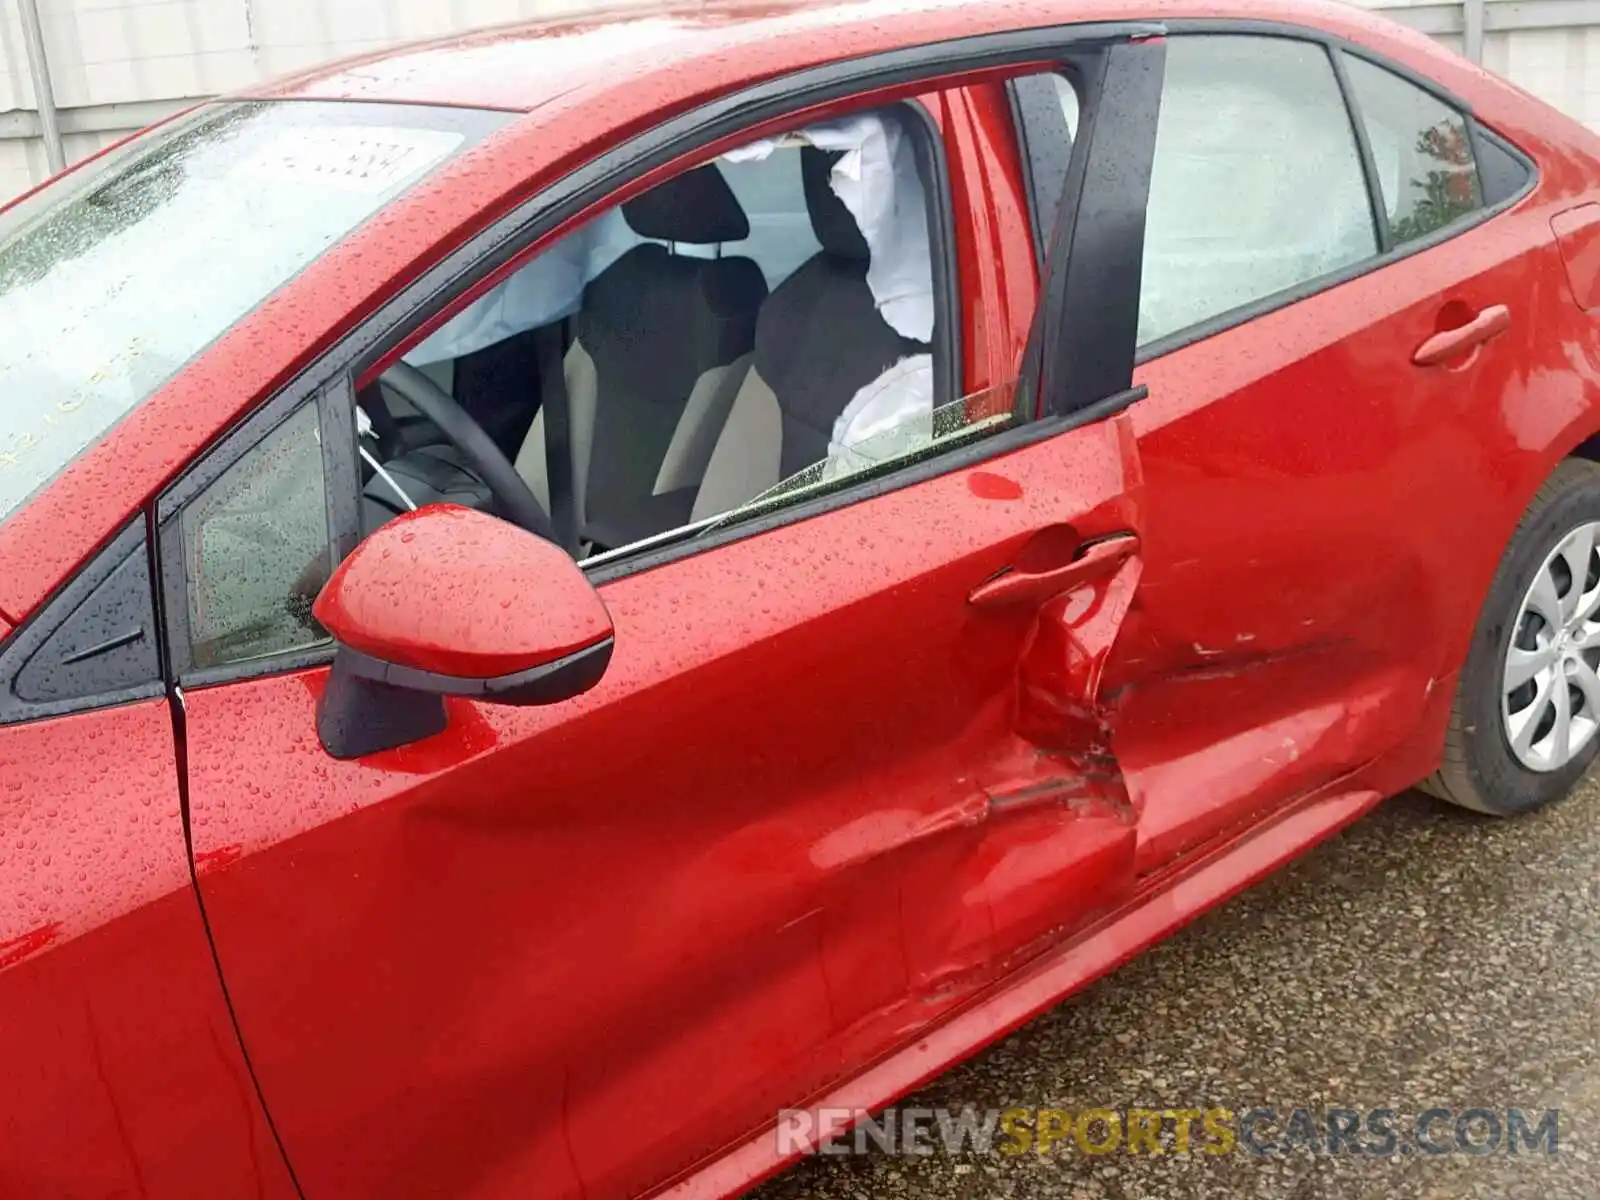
<point x="1424" y="957"/>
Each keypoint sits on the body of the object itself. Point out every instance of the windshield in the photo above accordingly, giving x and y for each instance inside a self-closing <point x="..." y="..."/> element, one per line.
<point x="115" y="276"/>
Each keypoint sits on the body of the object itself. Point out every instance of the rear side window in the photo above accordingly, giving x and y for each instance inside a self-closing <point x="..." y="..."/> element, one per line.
<point x="1421" y="152"/>
<point x="1257" y="185"/>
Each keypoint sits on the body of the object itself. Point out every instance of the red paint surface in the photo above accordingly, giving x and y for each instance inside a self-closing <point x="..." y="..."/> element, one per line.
<point x="28" y="944"/>
<point x="993" y="487"/>
<point x="1315" y="558"/>
<point x="123" y="1075"/>
<point x="1578" y="235"/>
<point x="782" y="774"/>
<point x="819" y="804"/>
<point x="1158" y="912"/>
<point x="452" y="591"/>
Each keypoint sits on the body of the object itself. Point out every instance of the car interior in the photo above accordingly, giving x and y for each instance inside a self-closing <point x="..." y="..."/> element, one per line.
<point x="744" y="323"/>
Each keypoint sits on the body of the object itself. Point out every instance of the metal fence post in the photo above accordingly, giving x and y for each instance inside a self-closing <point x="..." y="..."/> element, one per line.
<point x="1472" y="30"/>
<point x="44" y="96"/>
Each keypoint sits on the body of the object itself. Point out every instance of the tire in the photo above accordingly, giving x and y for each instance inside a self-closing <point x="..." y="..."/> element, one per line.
<point x="1481" y="769"/>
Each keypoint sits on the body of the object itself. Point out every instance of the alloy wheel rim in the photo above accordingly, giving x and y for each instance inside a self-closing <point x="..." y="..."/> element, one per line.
<point x="1549" y="689"/>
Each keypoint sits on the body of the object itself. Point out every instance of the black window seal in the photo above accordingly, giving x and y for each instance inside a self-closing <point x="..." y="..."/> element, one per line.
<point x="342" y="493"/>
<point x="1482" y="135"/>
<point x="1376" y="201"/>
<point x="29" y="638"/>
<point x="1081" y="344"/>
<point x="1019" y="128"/>
<point x="1244" y="313"/>
<point x="928" y="148"/>
<point x="1024" y="137"/>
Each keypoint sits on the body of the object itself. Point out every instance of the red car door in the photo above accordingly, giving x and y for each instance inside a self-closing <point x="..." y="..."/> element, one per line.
<point x="1325" y="501"/>
<point x="123" y="1074"/>
<point x="846" y="766"/>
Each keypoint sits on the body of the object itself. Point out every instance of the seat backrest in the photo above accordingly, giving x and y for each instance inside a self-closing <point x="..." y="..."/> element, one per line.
<point x="819" y="341"/>
<point x="653" y="365"/>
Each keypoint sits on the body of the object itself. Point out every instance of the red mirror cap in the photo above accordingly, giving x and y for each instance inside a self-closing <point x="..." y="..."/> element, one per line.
<point x="456" y="592"/>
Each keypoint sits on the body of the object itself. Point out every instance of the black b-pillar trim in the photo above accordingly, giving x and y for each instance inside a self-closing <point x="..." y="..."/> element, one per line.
<point x="1090" y="307"/>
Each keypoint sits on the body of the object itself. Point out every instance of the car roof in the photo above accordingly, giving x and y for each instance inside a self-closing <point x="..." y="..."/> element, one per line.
<point x="526" y="66"/>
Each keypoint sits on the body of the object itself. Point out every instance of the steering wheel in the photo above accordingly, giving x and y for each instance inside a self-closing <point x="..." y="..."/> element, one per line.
<point x="511" y="493"/>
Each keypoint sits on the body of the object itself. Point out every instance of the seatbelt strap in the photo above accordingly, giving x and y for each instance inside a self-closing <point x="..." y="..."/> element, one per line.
<point x="551" y="344"/>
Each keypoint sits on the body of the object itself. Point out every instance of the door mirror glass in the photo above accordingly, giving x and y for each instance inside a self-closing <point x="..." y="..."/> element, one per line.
<point x="447" y="601"/>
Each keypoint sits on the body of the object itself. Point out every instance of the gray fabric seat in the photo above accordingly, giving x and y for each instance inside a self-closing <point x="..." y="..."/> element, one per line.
<point x="659" y="345"/>
<point x="820" y="339"/>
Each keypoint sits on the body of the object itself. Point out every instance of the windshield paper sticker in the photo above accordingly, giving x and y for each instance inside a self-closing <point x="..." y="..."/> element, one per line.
<point x="355" y="158"/>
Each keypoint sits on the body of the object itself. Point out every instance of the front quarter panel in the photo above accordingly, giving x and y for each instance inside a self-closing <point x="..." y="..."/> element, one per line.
<point x="123" y="1075"/>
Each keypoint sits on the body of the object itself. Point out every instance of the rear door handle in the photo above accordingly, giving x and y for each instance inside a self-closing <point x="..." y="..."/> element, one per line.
<point x="1452" y="343"/>
<point x="1097" y="560"/>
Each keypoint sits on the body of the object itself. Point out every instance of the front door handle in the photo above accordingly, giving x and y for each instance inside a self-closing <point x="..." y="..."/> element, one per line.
<point x="1034" y="587"/>
<point x="1452" y="343"/>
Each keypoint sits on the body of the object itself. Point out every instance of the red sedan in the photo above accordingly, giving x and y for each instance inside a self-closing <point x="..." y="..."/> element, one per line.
<point x="567" y="590"/>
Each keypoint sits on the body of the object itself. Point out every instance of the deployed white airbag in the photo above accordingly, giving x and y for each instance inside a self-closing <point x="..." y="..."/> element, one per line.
<point x="876" y="179"/>
<point x="889" y="418"/>
<point x="547" y="289"/>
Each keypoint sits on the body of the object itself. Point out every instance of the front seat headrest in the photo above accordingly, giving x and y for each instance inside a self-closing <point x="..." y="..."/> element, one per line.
<point x="836" y="229"/>
<point x="697" y="207"/>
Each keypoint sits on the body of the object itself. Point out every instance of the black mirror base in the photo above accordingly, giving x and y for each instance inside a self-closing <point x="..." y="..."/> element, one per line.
<point x="358" y="715"/>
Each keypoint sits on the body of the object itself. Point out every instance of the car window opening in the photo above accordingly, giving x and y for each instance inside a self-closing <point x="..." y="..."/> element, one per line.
<point x="758" y="329"/>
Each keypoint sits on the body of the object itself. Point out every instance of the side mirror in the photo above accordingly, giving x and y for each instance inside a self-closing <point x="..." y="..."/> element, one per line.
<point x="446" y="601"/>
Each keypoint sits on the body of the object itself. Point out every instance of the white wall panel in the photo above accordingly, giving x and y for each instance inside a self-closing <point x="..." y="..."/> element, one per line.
<point x="15" y="89"/>
<point x="16" y="174"/>
<point x="1560" y="66"/>
<point x="162" y="53"/>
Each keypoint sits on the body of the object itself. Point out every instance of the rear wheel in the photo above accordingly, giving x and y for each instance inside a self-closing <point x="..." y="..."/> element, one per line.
<point x="1525" y="724"/>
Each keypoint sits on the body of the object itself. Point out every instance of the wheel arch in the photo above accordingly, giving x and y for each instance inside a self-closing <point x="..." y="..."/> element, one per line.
<point x="1588" y="448"/>
<point x="1578" y="438"/>
<point x="1427" y="743"/>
